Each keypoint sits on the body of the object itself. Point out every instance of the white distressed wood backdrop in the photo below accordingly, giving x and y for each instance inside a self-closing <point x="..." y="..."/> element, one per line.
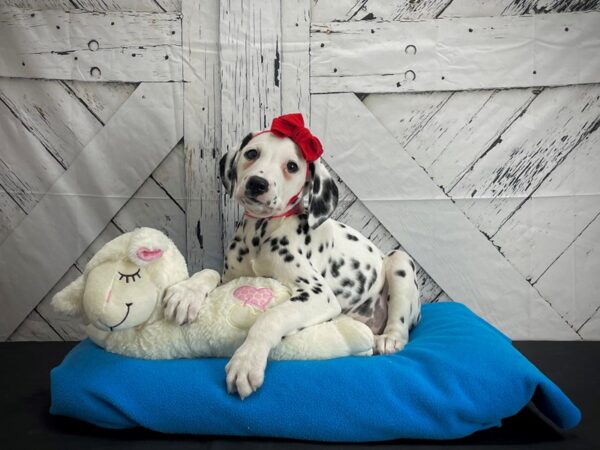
<point x="466" y="132"/>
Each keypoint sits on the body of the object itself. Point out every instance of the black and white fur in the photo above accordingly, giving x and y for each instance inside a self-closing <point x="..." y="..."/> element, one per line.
<point x="330" y="267"/>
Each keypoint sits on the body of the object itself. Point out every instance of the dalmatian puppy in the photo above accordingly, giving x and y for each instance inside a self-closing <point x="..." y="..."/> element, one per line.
<point x="330" y="267"/>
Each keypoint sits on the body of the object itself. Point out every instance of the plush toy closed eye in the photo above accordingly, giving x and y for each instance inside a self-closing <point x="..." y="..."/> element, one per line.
<point x="119" y="297"/>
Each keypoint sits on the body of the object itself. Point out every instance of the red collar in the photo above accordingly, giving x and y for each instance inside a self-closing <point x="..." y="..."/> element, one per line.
<point x="292" y="212"/>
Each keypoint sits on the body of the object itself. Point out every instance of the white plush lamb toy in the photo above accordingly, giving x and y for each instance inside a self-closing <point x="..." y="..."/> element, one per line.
<point x="119" y="296"/>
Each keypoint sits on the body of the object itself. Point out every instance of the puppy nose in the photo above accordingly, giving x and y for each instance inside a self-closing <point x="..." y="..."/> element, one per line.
<point x="256" y="186"/>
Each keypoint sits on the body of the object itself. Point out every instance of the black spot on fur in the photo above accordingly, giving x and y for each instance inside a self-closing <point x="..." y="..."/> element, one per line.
<point x="283" y="251"/>
<point x="245" y="141"/>
<point x="362" y="279"/>
<point x="351" y="237"/>
<point x="321" y="248"/>
<point x="232" y="246"/>
<point x="366" y="309"/>
<point x="342" y="225"/>
<point x="346" y="282"/>
<point x="400" y="273"/>
<point x="309" y="254"/>
<point x="316" y="290"/>
<point x="288" y="258"/>
<point x="355" y="264"/>
<point x="370" y="248"/>
<point x="255" y="241"/>
<point x="373" y="278"/>
<point x="307" y="239"/>
<point x="302" y="297"/>
<point x="335" y="267"/>
<point x="284" y="241"/>
<point x="337" y="292"/>
<point x="323" y="272"/>
<point x="301" y="280"/>
<point x="300" y="251"/>
<point x="402" y="319"/>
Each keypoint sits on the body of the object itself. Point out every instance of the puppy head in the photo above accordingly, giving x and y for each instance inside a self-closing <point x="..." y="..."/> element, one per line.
<point x="267" y="172"/>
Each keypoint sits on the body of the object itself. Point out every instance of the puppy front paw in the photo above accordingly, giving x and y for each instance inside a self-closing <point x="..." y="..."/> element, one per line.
<point x="388" y="343"/>
<point x="182" y="304"/>
<point x="246" y="369"/>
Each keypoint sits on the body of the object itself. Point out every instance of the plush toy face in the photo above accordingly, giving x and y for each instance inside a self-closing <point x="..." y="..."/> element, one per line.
<point x="119" y="295"/>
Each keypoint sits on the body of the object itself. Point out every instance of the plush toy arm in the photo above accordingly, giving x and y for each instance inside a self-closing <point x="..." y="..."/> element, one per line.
<point x="183" y="300"/>
<point x="69" y="300"/>
<point x="342" y="336"/>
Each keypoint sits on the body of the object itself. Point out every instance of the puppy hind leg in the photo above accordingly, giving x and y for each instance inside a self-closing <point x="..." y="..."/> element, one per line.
<point x="404" y="309"/>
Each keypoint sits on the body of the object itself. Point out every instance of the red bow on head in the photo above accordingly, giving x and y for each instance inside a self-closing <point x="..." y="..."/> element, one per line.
<point x="292" y="126"/>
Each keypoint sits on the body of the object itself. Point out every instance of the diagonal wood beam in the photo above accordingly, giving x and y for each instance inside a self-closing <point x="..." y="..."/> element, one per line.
<point x="85" y="198"/>
<point x="427" y="223"/>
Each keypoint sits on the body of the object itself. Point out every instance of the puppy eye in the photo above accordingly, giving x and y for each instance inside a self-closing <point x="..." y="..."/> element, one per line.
<point x="251" y="154"/>
<point x="129" y="276"/>
<point x="292" y="167"/>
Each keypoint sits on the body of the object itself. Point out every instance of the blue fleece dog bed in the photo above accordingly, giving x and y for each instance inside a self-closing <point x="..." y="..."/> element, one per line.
<point x="457" y="375"/>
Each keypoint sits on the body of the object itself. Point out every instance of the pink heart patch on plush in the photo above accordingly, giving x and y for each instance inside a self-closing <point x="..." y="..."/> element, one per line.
<point x="249" y="295"/>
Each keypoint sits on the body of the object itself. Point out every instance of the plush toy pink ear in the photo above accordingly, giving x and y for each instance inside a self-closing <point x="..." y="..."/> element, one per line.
<point x="146" y="254"/>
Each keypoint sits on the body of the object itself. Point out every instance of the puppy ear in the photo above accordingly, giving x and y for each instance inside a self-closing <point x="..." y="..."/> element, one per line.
<point x="323" y="194"/>
<point x="228" y="166"/>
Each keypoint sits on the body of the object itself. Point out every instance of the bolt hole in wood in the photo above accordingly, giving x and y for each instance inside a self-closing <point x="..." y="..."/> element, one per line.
<point x="95" y="72"/>
<point x="410" y="49"/>
<point x="410" y="75"/>
<point x="93" y="45"/>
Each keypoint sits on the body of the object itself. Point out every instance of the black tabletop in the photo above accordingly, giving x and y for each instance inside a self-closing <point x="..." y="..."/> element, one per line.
<point x="26" y="424"/>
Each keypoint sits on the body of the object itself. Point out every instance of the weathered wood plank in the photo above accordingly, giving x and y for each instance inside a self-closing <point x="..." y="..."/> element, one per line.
<point x="428" y="223"/>
<point x="170" y="176"/>
<point x="451" y="135"/>
<point x="35" y="328"/>
<point x="150" y="206"/>
<point x="97" y="5"/>
<point x="368" y="10"/>
<point x="10" y="214"/>
<point x="27" y="170"/>
<point x="250" y="39"/>
<point x="295" y="58"/>
<point x="110" y="232"/>
<point x="51" y="112"/>
<point x="521" y="158"/>
<point x="545" y="6"/>
<point x="405" y="115"/>
<point x="572" y="284"/>
<point x="424" y="56"/>
<point x="101" y="99"/>
<point x="202" y="122"/>
<point x="90" y="46"/>
<point x="590" y="330"/>
<point x="556" y="214"/>
<point x="111" y="156"/>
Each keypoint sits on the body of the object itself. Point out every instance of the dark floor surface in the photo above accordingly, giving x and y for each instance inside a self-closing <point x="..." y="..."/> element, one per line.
<point x="26" y="424"/>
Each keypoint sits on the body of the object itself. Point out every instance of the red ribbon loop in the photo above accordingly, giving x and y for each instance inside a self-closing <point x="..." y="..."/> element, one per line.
<point x="292" y="126"/>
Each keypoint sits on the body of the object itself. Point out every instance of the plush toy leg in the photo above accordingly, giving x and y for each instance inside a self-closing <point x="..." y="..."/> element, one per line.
<point x="339" y="337"/>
